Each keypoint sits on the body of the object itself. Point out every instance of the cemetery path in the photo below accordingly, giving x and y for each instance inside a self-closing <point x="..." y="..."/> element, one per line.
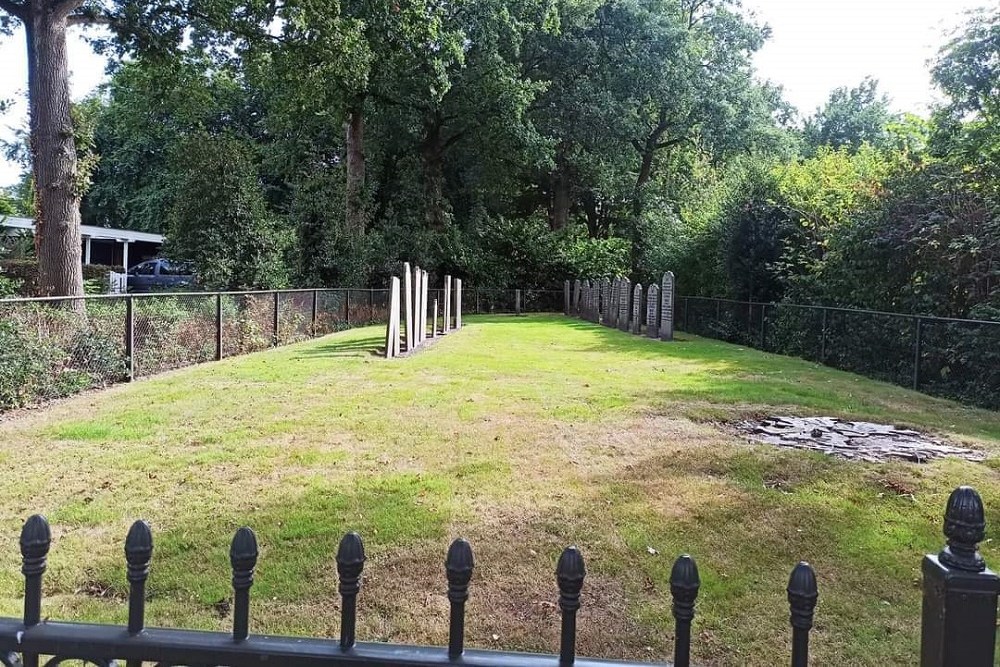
<point x="523" y="435"/>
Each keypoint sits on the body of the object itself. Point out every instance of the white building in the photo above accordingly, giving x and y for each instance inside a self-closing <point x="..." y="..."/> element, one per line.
<point x="101" y="245"/>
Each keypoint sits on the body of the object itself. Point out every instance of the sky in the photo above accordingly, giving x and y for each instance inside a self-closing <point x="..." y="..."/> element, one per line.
<point x="815" y="46"/>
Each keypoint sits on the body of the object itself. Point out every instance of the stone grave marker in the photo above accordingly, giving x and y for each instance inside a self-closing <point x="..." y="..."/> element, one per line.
<point x="637" y="308"/>
<point x="446" y="324"/>
<point x="624" y="293"/>
<point x="667" y="307"/>
<point x="652" y="311"/>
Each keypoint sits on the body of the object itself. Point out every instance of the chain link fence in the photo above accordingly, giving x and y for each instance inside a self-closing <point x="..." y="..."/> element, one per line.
<point x="954" y="358"/>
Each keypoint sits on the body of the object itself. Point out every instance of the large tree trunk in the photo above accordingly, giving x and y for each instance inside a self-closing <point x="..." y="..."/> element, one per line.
<point x="560" y="199"/>
<point x="354" y="203"/>
<point x="57" y="217"/>
<point x="432" y="157"/>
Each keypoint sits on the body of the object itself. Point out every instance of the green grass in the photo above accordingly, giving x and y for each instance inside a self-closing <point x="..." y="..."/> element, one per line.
<point x="523" y="435"/>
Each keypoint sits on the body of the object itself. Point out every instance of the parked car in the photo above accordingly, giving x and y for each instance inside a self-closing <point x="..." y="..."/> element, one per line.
<point x="160" y="274"/>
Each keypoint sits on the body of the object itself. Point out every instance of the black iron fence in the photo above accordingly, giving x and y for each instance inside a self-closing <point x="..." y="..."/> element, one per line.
<point x="954" y="358"/>
<point x="54" y="347"/>
<point x="959" y="611"/>
<point x="58" y="346"/>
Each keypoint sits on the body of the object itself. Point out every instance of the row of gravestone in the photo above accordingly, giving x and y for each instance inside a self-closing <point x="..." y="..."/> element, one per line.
<point x="408" y="310"/>
<point x="620" y="304"/>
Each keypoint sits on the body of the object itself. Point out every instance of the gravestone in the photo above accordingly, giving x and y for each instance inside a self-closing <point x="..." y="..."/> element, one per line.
<point x="566" y="298"/>
<point x="605" y="297"/>
<point x="392" y="329"/>
<point x="637" y="309"/>
<point x="667" y="307"/>
<point x="425" y="293"/>
<point x="624" y="293"/>
<point x="408" y="304"/>
<point x="434" y="322"/>
<point x="446" y="324"/>
<point x="418" y="292"/>
<point x="652" y="311"/>
<point x="577" y="286"/>
<point x="611" y="318"/>
<point x="458" y="303"/>
<point x="585" y="299"/>
<point x="595" y="301"/>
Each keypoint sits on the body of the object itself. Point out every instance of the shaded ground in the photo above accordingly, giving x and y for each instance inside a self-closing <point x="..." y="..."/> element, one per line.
<point x="522" y="435"/>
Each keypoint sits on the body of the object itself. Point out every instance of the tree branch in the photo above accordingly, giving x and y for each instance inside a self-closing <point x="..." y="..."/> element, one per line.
<point x="63" y="8"/>
<point x="15" y="9"/>
<point x="89" y="19"/>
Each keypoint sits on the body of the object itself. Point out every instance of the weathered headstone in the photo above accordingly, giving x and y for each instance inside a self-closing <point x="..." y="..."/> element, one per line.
<point x="434" y="321"/>
<point x="652" y="311"/>
<point x="667" y="307"/>
<point x="637" y="309"/>
<point x="585" y="299"/>
<point x="611" y="318"/>
<point x="605" y="297"/>
<point x="425" y="305"/>
<point x="392" y="329"/>
<point x="458" y="303"/>
<point x="624" y="295"/>
<point x="408" y="303"/>
<point x="566" y="298"/>
<point x="577" y="286"/>
<point x="595" y="301"/>
<point x="446" y="324"/>
<point x="418" y="276"/>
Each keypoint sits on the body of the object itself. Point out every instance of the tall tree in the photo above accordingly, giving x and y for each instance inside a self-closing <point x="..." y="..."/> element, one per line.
<point x="850" y="118"/>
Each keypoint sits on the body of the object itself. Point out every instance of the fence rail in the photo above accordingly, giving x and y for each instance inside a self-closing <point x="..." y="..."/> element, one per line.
<point x="959" y="611"/>
<point x="949" y="357"/>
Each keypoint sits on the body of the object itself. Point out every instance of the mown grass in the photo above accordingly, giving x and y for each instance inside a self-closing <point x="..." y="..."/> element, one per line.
<point x="524" y="435"/>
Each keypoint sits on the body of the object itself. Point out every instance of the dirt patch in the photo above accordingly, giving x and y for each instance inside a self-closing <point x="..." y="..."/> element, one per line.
<point x="856" y="441"/>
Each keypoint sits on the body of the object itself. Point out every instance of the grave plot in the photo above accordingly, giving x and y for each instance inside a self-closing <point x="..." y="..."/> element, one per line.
<point x="859" y="441"/>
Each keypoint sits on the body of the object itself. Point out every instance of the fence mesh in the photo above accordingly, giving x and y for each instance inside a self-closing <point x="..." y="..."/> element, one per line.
<point x="953" y="358"/>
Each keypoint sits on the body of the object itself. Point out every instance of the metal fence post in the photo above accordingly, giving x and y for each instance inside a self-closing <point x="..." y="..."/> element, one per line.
<point x="275" y="323"/>
<point x="477" y="301"/>
<point x="918" y="326"/>
<point x="347" y="307"/>
<point x="314" y="308"/>
<point x="371" y="305"/>
<point x="36" y="538"/>
<point x="959" y="616"/>
<point x="458" y="568"/>
<point x="686" y="314"/>
<point x="822" y="338"/>
<point x="350" y="562"/>
<point x="517" y="302"/>
<point x="684" y="584"/>
<point x="763" y="326"/>
<point x="243" y="559"/>
<point x="218" y="327"/>
<point x="569" y="574"/>
<point x="130" y="337"/>
<point x="802" y="596"/>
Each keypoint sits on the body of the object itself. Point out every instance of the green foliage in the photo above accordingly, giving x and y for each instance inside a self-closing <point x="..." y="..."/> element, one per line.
<point x="851" y="118"/>
<point x="586" y="256"/>
<point x="220" y="221"/>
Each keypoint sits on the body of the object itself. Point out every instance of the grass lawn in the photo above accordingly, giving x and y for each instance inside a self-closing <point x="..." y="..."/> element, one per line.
<point x="523" y="435"/>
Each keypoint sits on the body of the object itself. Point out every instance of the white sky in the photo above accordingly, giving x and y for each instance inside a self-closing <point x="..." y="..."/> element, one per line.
<point x="816" y="45"/>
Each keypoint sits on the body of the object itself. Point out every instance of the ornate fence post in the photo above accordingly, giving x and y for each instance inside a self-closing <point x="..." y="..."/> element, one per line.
<point x="36" y="538"/>
<point x="458" y="568"/>
<point x="350" y="562"/>
<point x="569" y="575"/>
<point x="243" y="558"/>
<point x="684" y="584"/>
<point x="959" y="621"/>
<point x="802" y="595"/>
<point x="138" y="552"/>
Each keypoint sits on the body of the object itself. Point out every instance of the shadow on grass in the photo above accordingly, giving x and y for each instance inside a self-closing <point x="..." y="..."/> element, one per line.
<point x="358" y="347"/>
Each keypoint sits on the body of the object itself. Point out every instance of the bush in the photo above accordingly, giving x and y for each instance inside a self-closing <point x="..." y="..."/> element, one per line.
<point x="24" y="274"/>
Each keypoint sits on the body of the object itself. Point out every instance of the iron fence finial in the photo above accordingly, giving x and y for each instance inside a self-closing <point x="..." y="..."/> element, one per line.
<point x="965" y="528"/>
<point x="350" y="562"/>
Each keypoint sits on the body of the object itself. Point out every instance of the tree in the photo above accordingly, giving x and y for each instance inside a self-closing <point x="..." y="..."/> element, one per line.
<point x="221" y="221"/>
<point x="59" y="184"/>
<point x="850" y="118"/>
